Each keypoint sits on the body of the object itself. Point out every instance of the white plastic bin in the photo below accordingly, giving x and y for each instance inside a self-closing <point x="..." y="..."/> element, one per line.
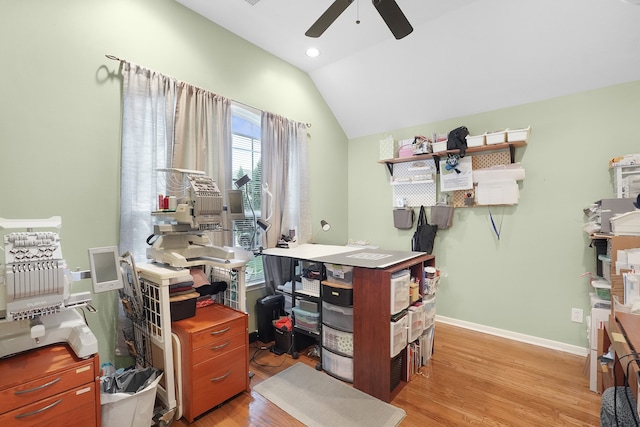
<point x="399" y="335"/>
<point x="129" y="409"/>
<point x="339" y="273"/>
<point x="337" y="316"/>
<point x="336" y="365"/>
<point x="338" y="341"/>
<point x="416" y="322"/>
<point x="400" y="291"/>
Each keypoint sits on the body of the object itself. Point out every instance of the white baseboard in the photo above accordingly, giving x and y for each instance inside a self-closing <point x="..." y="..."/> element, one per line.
<point x="554" y="345"/>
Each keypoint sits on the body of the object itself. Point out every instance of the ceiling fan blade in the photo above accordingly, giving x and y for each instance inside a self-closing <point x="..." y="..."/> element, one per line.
<point x="393" y="17"/>
<point x="327" y="18"/>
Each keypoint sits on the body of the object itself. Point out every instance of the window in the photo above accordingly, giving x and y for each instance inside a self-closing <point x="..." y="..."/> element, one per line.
<point x="246" y="160"/>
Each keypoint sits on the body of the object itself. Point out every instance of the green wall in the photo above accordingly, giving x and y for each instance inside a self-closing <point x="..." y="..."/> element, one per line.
<point x="61" y="113"/>
<point x="60" y="155"/>
<point x="528" y="281"/>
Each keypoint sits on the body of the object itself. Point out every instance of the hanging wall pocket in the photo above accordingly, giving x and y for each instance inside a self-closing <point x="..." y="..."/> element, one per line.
<point x="403" y="218"/>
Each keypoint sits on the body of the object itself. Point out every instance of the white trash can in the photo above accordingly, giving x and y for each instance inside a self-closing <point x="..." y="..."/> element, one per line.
<point x="130" y="409"/>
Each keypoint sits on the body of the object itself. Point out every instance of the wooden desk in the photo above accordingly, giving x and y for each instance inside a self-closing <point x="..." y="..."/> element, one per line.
<point x="624" y="334"/>
<point x="50" y="386"/>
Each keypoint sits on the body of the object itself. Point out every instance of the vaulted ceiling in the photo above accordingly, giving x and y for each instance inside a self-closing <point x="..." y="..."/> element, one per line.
<point x="463" y="56"/>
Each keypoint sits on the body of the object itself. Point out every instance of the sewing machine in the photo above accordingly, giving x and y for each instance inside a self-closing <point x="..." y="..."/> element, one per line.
<point x="36" y="306"/>
<point x="181" y="234"/>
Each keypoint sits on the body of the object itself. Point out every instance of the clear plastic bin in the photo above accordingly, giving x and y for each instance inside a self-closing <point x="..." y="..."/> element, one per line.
<point x="305" y="319"/>
<point x="337" y="316"/>
<point x="339" y="273"/>
<point x="339" y="341"/>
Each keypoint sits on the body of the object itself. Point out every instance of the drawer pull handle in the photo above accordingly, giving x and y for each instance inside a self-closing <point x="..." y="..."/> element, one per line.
<point x="222" y="331"/>
<point x="217" y="347"/>
<point x="28" y="414"/>
<point x="37" y="388"/>
<point x="222" y="377"/>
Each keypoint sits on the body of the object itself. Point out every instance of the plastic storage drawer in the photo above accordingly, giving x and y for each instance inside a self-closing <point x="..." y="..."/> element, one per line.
<point x="336" y="365"/>
<point x="337" y="316"/>
<point x="429" y="303"/>
<point x="305" y="319"/>
<point x="398" y="335"/>
<point x="400" y="291"/>
<point x="338" y="294"/>
<point x="338" y="341"/>
<point x="416" y="321"/>
<point x="339" y="273"/>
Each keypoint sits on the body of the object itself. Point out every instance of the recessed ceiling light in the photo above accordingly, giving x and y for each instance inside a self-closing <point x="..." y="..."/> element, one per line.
<point x="312" y="52"/>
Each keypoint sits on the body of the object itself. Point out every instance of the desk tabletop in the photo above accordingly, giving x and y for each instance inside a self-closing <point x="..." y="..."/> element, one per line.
<point x="309" y="251"/>
<point x="345" y="255"/>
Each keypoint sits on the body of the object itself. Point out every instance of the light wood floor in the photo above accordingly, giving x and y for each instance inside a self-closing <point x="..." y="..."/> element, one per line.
<point x="473" y="378"/>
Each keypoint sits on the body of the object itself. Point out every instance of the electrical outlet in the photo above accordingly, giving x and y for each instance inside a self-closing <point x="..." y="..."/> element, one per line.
<point x="576" y="315"/>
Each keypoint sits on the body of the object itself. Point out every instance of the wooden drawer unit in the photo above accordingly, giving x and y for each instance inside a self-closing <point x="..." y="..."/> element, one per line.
<point x="50" y="386"/>
<point x="215" y="357"/>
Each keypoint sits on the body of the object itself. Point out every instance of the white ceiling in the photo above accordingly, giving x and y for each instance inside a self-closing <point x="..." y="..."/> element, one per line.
<point x="463" y="57"/>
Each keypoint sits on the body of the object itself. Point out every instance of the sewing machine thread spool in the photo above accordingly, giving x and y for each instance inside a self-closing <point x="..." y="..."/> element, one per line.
<point x="173" y="203"/>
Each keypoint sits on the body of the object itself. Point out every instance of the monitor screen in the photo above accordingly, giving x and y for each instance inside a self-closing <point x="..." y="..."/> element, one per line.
<point x="104" y="264"/>
<point x="235" y="205"/>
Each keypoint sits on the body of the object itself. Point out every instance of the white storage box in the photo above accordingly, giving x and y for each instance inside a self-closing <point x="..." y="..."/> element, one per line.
<point x="387" y="148"/>
<point x="497" y="193"/>
<point x="439" y="146"/>
<point x="337" y="316"/>
<point x="476" y="140"/>
<point x="499" y="173"/>
<point x="429" y="303"/>
<point x="416" y="321"/>
<point x="311" y="286"/>
<point x="336" y="365"/>
<point x="627" y="223"/>
<point x="339" y="273"/>
<point x="399" y="335"/>
<point x="514" y="135"/>
<point x="337" y="340"/>
<point x="496" y="137"/>
<point x="400" y="291"/>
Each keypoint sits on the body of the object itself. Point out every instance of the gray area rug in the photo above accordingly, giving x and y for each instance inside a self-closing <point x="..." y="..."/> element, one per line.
<point x="317" y="399"/>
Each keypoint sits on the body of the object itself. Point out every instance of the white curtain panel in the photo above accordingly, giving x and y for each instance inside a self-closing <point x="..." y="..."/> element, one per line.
<point x="284" y="169"/>
<point x="203" y="133"/>
<point x="148" y="112"/>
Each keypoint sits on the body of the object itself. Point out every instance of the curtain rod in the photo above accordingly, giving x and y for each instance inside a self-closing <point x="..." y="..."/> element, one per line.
<point x="115" y="58"/>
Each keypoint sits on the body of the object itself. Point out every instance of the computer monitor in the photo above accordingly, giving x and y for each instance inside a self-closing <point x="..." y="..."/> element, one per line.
<point x="104" y="264"/>
<point x="235" y="205"/>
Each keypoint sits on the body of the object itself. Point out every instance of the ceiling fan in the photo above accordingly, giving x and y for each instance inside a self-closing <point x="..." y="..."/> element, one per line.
<point x="388" y="10"/>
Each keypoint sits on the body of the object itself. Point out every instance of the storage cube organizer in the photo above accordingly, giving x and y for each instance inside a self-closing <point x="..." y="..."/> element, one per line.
<point x="337" y="273"/>
<point x="305" y="319"/>
<point x="338" y="341"/>
<point x="337" y="316"/>
<point x="336" y="365"/>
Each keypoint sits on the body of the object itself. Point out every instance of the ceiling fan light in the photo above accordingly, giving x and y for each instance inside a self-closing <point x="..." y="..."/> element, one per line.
<point x="312" y="52"/>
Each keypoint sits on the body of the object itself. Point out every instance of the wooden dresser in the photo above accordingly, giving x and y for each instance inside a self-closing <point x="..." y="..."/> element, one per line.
<point x="215" y="357"/>
<point x="49" y="386"/>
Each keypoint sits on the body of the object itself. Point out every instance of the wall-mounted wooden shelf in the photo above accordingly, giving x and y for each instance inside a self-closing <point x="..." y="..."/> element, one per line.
<point x="511" y="146"/>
